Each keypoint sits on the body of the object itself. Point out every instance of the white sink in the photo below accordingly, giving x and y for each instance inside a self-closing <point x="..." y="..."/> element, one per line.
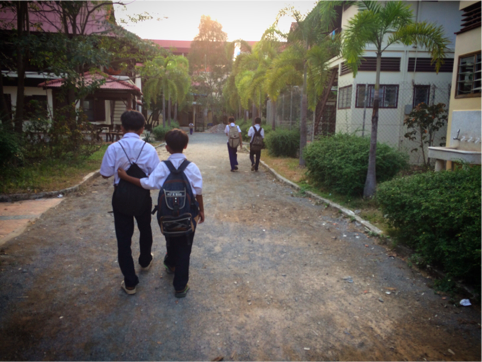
<point x="454" y="154"/>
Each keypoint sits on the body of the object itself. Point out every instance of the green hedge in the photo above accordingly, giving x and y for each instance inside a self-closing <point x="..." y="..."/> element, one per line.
<point x="340" y="163"/>
<point x="282" y="142"/>
<point x="160" y="131"/>
<point x="438" y="214"/>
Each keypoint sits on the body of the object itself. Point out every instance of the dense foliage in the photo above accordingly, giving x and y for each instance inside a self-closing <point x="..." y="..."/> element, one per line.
<point x="160" y="131"/>
<point x="438" y="214"/>
<point x="283" y="143"/>
<point x="340" y="162"/>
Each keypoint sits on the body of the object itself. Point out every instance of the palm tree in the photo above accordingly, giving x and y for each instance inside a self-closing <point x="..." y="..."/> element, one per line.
<point x="167" y="76"/>
<point x="305" y="60"/>
<point x="381" y="26"/>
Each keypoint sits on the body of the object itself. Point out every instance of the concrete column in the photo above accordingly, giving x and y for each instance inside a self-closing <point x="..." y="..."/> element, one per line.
<point x="50" y="102"/>
<point x="439" y="165"/>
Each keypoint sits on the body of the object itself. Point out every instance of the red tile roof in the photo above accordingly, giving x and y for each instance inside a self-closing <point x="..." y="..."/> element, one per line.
<point x="182" y="46"/>
<point x="111" y="83"/>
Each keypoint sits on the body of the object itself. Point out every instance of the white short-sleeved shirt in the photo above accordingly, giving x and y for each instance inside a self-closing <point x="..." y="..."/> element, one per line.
<point x="226" y="130"/>
<point x="251" y="131"/>
<point x="158" y="177"/>
<point x="115" y="158"/>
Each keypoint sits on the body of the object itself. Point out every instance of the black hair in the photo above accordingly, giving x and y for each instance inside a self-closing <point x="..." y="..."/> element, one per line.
<point x="176" y="139"/>
<point x="231" y="119"/>
<point x="257" y="120"/>
<point x="132" y="120"/>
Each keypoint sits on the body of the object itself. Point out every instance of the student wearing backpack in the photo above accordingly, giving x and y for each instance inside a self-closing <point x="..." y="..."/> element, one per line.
<point x="164" y="177"/>
<point x="257" y="143"/>
<point x="235" y="139"/>
<point x="133" y="154"/>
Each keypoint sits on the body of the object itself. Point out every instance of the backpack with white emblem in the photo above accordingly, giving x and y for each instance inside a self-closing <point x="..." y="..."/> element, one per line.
<point x="177" y="207"/>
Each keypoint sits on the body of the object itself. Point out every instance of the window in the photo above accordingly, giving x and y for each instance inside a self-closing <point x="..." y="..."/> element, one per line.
<point x="388" y="96"/>
<point x="344" y="99"/>
<point x="421" y="94"/>
<point x="468" y="75"/>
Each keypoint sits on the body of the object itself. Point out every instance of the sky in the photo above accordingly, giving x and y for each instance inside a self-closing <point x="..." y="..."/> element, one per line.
<point x="245" y="20"/>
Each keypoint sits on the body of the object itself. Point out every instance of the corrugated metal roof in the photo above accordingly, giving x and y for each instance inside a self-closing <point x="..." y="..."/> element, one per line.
<point x="110" y="84"/>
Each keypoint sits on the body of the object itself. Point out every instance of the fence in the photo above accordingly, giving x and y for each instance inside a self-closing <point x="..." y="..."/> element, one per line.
<point x="351" y="112"/>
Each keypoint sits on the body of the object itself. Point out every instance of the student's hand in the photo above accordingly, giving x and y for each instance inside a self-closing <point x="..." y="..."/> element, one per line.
<point x="122" y="174"/>
<point x="201" y="217"/>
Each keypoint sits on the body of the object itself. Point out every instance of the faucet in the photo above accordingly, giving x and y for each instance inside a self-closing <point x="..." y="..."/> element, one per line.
<point x="477" y="140"/>
<point x="462" y="139"/>
<point x="470" y="139"/>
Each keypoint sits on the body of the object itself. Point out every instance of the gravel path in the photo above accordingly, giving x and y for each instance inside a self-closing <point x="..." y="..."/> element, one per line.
<point x="273" y="277"/>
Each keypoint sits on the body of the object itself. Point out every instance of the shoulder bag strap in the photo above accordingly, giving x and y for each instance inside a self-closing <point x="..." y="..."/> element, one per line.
<point x="141" y="151"/>
<point x="125" y="153"/>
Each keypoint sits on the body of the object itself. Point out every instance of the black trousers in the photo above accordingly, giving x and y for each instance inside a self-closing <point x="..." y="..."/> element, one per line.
<point x="178" y="256"/>
<point x="124" y="229"/>
<point x="251" y="157"/>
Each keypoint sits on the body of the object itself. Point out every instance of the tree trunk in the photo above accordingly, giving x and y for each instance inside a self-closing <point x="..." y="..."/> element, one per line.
<point x="169" y="111"/>
<point x="175" y="111"/>
<point x="5" y="115"/>
<point x="163" y="110"/>
<point x="304" y="106"/>
<point x="273" y="111"/>
<point x="22" y="19"/>
<point x="254" y="114"/>
<point x="371" y="181"/>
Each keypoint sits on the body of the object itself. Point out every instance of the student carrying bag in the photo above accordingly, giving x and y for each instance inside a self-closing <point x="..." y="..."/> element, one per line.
<point x="257" y="144"/>
<point x="233" y="137"/>
<point x="128" y="198"/>
<point x="177" y="208"/>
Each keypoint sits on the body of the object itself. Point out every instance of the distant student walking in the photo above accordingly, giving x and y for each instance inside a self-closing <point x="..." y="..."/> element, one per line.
<point x="234" y="141"/>
<point x="132" y="154"/>
<point x="191" y="128"/>
<point x="257" y="143"/>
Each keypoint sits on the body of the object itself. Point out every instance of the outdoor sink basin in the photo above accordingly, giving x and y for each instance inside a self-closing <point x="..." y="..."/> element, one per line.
<point x="454" y="154"/>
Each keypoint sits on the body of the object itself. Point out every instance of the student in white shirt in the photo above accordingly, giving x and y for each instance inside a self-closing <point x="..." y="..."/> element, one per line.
<point x="232" y="151"/>
<point x="257" y="153"/>
<point x="178" y="248"/>
<point x="120" y="154"/>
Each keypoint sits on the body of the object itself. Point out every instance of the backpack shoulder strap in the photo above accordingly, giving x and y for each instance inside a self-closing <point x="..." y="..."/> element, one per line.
<point x="140" y="151"/>
<point x="125" y="152"/>
<point x="181" y="168"/>
<point x="183" y="165"/>
<point x="257" y="131"/>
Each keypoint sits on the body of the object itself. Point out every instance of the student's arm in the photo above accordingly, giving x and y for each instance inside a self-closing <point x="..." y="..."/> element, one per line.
<point x="123" y="175"/>
<point x="240" y="137"/>
<point x="199" y="199"/>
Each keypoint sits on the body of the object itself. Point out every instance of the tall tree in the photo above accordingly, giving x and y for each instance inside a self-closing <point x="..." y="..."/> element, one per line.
<point x="167" y="77"/>
<point x="208" y="61"/>
<point x="383" y="25"/>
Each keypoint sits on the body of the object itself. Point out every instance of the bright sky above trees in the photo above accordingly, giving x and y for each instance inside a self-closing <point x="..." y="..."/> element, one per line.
<point x="240" y="19"/>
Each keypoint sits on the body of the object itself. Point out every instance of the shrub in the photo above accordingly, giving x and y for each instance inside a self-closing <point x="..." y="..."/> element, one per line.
<point x="438" y="214"/>
<point x="282" y="142"/>
<point x="160" y="131"/>
<point x="11" y="150"/>
<point x="340" y="162"/>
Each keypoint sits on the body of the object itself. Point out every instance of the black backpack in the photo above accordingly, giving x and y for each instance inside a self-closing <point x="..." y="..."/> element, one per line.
<point x="176" y="207"/>
<point x="257" y="143"/>
<point x="128" y="198"/>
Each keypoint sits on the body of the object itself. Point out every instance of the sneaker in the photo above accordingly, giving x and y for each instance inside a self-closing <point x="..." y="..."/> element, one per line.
<point x="236" y="168"/>
<point x="149" y="266"/>
<point x="183" y="293"/>
<point x="169" y="270"/>
<point x="252" y="167"/>
<point x="129" y="291"/>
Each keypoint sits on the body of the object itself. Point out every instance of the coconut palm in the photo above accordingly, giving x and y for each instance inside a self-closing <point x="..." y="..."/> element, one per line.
<point x="382" y="25"/>
<point x="166" y="76"/>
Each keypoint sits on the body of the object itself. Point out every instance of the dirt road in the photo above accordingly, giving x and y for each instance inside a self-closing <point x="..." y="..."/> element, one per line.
<point x="273" y="277"/>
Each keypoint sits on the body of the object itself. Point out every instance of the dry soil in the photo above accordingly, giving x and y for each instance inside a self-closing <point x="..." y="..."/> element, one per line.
<point x="274" y="276"/>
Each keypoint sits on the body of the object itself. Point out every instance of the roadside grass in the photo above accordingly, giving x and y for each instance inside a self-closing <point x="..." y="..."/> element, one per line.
<point x="49" y="175"/>
<point x="290" y="169"/>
